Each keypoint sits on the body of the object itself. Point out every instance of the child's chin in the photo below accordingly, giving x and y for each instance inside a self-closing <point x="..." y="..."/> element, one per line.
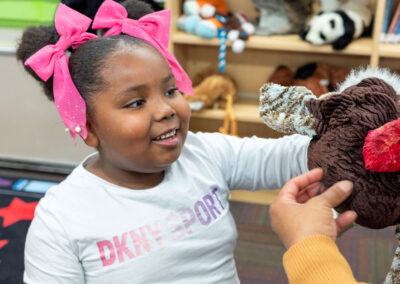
<point x="169" y="159"/>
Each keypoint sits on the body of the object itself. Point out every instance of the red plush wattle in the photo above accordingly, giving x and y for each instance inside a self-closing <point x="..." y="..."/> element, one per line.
<point x="381" y="149"/>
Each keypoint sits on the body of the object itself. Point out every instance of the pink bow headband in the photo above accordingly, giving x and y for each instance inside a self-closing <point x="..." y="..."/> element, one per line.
<point x="72" y="26"/>
<point x="52" y="60"/>
<point x="152" y="28"/>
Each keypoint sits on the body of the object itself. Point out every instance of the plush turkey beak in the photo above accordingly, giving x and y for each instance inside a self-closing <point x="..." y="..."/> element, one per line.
<point x="381" y="149"/>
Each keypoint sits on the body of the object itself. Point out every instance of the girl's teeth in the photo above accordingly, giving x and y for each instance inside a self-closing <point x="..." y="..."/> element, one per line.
<point x="172" y="133"/>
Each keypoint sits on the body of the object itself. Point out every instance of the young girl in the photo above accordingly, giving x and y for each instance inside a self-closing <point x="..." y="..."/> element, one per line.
<point x="151" y="206"/>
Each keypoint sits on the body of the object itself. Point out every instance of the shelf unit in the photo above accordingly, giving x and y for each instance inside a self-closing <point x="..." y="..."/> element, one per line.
<point x="196" y="53"/>
<point x="291" y="43"/>
<point x="370" y="47"/>
<point x="259" y="59"/>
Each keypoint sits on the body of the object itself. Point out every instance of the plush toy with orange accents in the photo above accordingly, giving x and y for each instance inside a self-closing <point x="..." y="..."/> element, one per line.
<point x="201" y="17"/>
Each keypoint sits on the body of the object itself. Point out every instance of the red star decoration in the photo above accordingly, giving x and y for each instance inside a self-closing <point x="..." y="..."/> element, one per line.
<point x="3" y="243"/>
<point x="18" y="210"/>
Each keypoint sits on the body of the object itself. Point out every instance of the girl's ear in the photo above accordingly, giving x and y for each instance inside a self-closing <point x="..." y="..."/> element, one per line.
<point x="91" y="139"/>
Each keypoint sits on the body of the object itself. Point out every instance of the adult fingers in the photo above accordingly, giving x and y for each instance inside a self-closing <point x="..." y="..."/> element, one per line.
<point x="336" y="194"/>
<point x="310" y="191"/>
<point x="293" y="186"/>
<point x="345" y="219"/>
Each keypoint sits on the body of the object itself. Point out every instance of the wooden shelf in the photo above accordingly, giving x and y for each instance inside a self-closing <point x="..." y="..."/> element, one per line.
<point x="389" y="50"/>
<point x="246" y="110"/>
<point x="264" y="197"/>
<point x="292" y="43"/>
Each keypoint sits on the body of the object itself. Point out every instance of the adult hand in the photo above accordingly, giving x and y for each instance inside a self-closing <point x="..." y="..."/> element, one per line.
<point x="296" y="215"/>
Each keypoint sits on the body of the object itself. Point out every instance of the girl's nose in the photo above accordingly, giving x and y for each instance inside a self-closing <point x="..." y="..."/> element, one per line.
<point x="163" y="110"/>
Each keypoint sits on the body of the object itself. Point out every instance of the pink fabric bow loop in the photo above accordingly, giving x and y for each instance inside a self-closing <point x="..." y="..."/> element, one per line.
<point x="152" y="28"/>
<point x="51" y="60"/>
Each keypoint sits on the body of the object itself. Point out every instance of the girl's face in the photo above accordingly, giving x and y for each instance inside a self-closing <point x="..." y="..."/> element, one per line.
<point x="140" y="119"/>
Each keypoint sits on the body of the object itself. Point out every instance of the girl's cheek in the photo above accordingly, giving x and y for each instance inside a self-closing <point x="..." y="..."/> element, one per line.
<point x="137" y="128"/>
<point x="186" y="112"/>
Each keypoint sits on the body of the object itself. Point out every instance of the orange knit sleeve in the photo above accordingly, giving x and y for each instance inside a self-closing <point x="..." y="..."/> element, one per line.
<point x="317" y="260"/>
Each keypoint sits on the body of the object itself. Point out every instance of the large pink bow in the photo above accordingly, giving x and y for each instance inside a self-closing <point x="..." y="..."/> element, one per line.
<point x="52" y="60"/>
<point x="152" y="28"/>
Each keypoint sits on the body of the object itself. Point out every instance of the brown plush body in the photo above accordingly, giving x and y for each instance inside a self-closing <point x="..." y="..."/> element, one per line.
<point x="342" y="121"/>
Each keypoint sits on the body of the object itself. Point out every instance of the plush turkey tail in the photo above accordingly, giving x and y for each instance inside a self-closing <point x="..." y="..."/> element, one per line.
<point x="284" y="109"/>
<point x="381" y="149"/>
<point x="393" y="276"/>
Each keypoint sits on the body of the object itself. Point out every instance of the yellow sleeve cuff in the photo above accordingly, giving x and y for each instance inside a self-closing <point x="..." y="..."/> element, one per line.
<point x="318" y="260"/>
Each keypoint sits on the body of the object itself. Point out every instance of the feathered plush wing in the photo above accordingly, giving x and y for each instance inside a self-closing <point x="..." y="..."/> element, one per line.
<point x="284" y="109"/>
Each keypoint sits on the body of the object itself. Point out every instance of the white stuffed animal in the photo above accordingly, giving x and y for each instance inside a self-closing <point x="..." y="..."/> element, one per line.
<point x="339" y="27"/>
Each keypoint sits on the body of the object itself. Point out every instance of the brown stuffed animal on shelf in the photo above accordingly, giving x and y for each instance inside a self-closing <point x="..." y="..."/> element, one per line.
<point x="214" y="90"/>
<point x="355" y="136"/>
<point x="320" y="78"/>
<point x="230" y="125"/>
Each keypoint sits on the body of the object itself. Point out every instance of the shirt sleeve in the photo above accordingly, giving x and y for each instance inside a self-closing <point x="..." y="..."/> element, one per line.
<point x="259" y="163"/>
<point x="49" y="255"/>
<point x="317" y="260"/>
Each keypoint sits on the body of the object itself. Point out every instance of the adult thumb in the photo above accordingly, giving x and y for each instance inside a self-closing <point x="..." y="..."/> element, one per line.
<point x="337" y="193"/>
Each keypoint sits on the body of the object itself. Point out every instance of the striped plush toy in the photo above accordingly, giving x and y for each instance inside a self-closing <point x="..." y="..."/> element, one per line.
<point x="355" y="136"/>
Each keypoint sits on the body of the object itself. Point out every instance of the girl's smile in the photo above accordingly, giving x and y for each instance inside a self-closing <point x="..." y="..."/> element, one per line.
<point x="169" y="138"/>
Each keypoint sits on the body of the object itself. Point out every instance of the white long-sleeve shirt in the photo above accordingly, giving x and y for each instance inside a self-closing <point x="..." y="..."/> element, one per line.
<point x="87" y="230"/>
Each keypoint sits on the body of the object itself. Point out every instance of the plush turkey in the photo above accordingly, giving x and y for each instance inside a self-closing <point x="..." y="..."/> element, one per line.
<point x="355" y="136"/>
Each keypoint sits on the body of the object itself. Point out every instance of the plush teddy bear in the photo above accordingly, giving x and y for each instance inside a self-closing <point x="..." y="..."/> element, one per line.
<point x="338" y="28"/>
<point x="319" y="77"/>
<point x="201" y="17"/>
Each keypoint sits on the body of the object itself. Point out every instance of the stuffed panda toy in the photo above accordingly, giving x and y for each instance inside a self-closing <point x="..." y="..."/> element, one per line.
<point x="350" y="21"/>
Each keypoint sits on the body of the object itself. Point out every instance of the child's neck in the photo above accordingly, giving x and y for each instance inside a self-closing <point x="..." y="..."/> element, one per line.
<point x="124" y="178"/>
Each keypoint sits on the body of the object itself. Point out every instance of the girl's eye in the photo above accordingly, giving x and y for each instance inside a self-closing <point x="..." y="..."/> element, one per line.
<point x="136" y="104"/>
<point x="172" y="92"/>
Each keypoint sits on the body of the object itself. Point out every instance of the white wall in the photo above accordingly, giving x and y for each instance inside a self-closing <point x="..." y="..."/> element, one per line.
<point x="30" y="127"/>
